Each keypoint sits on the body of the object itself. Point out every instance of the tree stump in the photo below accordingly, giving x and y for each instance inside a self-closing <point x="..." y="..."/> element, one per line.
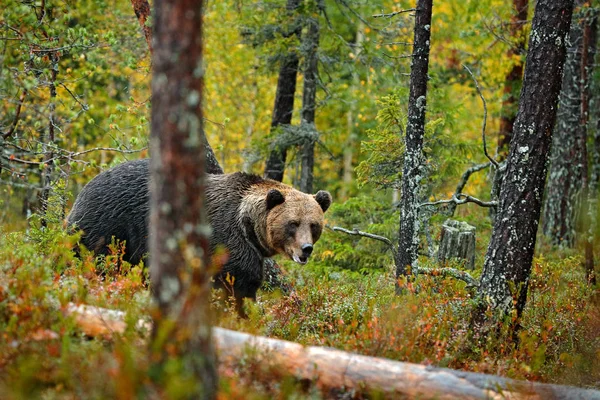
<point x="458" y="243"/>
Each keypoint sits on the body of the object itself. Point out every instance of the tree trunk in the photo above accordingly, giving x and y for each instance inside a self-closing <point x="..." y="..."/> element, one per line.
<point x="590" y="36"/>
<point x="334" y="370"/>
<point x="348" y="168"/>
<point x="512" y="82"/>
<point x="567" y="165"/>
<point x="284" y="105"/>
<point x="413" y="156"/>
<point x="457" y="242"/>
<point x="46" y="181"/>
<point x="179" y="230"/>
<point x="142" y="12"/>
<point x="507" y="266"/>
<point x="309" y="103"/>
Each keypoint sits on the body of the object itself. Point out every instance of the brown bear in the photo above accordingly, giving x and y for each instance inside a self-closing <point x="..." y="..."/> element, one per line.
<point x="251" y="217"/>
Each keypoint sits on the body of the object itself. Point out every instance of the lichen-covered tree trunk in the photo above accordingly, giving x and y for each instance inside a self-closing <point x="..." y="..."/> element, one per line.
<point x="512" y="82"/>
<point x="284" y="104"/>
<point x="412" y="171"/>
<point x="567" y="164"/>
<point x="507" y="266"/>
<point x="309" y="104"/>
<point x="588" y="53"/>
<point x="142" y="12"/>
<point x="179" y="231"/>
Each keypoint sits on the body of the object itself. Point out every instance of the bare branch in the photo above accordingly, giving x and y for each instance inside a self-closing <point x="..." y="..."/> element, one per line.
<point x="463" y="181"/>
<point x="484" y="117"/>
<point x="461" y="198"/>
<point x="356" y="232"/>
<point x="393" y="14"/>
<point x="11" y="130"/>
<point x="450" y="272"/>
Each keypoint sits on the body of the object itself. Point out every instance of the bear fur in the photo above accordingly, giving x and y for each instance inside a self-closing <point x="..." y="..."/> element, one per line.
<point x="251" y="217"/>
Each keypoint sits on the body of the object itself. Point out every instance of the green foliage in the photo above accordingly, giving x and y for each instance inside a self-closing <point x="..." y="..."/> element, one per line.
<point x="354" y="252"/>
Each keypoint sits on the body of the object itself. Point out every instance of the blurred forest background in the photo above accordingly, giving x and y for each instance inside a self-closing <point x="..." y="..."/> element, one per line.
<point x="75" y="99"/>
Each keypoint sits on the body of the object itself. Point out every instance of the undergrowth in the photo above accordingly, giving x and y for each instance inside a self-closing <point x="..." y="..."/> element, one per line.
<point x="44" y="355"/>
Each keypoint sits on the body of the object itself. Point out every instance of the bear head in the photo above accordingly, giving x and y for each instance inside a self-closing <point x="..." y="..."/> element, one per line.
<point x="294" y="221"/>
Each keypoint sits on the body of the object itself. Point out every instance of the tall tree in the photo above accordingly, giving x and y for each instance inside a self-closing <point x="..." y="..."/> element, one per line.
<point x="588" y="53"/>
<point x="179" y="230"/>
<point x="412" y="170"/>
<point x="512" y="82"/>
<point x="505" y="277"/>
<point x="309" y="97"/>
<point x="142" y="12"/>
<point x="568" y="167"/>
<point x="284" y="102"/>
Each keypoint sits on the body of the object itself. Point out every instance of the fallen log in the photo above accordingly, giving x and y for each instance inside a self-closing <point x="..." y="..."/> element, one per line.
<point x="332" y="369"/>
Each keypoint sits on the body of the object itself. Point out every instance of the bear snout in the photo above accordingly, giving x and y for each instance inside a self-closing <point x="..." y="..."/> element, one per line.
<point x="307" y="249"/>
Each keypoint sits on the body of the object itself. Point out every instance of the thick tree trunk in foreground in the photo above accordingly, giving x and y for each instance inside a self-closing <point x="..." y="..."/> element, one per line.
<point x="413" y="156"/>
<point x="142" y="12"/>
<point x="567" y="166"/>
<point x="309" y="102"/>
<point x="179" y="230"/>
<point x="512" y="82"/>
<point x="334" y="370"/>
<point x="507" y="266"/>
<point x="284" y="104"/>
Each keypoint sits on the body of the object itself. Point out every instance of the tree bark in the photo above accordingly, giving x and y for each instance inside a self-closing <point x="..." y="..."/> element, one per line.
<point x="588" y="53"/>
<point x="512" y="82"/>
<point x="142" y="12"/>
<point x="335" y="370"/>
<point x="507" y="266"/>
<point x="567" y="165"/>
<point x="413" y="156"/>
<point x="309" y="103"/>
<point x="179" y="230"/>
<point x="284" y="104"/>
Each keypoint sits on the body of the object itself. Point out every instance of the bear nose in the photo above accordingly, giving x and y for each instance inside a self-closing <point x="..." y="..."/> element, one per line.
<point x="307" y="249"/>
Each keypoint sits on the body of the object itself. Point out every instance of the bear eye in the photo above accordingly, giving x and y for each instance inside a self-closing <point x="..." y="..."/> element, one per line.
<point x="291" y="228"/>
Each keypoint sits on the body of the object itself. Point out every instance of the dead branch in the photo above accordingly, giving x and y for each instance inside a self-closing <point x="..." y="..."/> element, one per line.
<point x="484" y="117"/>
<point x="339" y="370"/>
<point x="11" y="130"/>
<point x="393" y="14"/>
<point x="142" y="12"/>
<point x="463" y="182"/>
<point x="461" y="198"/>
<point x="356" y="232"/>
<point x="450" y="272"/>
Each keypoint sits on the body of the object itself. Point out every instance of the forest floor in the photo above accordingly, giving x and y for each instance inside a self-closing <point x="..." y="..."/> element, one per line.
<point x="44" y="355"/>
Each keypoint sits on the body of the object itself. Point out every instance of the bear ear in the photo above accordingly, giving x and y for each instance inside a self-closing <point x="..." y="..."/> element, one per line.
<point x="324" y="199"/>
<point x="274" y="198"/>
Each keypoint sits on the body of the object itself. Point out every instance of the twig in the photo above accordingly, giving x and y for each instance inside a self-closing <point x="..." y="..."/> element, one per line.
<point x="461" y="198"/>
<point x="393" y="14"/>
<point x="84" y="107"/>
<point x="356" y="232"/>
<point x="484" y="116"/>
<point x="449" y="272"/>
<point x="17" y="114"/>
<point x="463" y="181"/>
